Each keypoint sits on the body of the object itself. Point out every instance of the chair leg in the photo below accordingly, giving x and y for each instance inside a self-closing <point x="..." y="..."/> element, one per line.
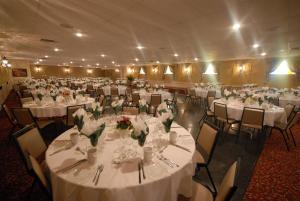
<point x="31" y="190"/>
<point x="210" y="178"/>
<point x="292" y="136"/>
<point x="285" y="141"/>
<point x="238" y="133"/>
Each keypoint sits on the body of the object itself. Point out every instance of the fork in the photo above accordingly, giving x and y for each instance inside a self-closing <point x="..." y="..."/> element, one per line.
<point x="172" y="162"/>
<point x="100" y="171"/>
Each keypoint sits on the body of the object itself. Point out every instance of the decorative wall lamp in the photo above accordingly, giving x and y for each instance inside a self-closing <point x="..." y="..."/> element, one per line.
<point x="187" y="70"/>
<point x="210" y="70"/>
<point x="4" y="62"/>
<point x="142" y="72"/>
<point x="117" y="70"/>
<point x="155" y="69"/>
<point x="130" y="70"/>
<point x="168" y="71"/>
<point x="89" y="71"/>
<point x="241" y="68"/>
<point x="67" y="70"/>
<point x="283" y="69"/>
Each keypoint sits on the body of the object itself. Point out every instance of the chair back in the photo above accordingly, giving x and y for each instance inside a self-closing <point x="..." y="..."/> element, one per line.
<point x="289" y="109"/>
<point x="114" y="91"/>
<point x="220" y="111"/>
<point x="100" y="92"/>
<point x="211" y="93"/>
<point x="210" y="100"/>
<point x="155" y="100"/>
<point x="23" y="116"/>
<point x="294" y="118"/>
<point x="128" y="91"/>
<point x="135" y="98"/>
<point x="130" y="110"/>
<point x="101" y="100"/>
<point x="192" y="92"/>
<point x="89" y="87"/>
<point x="229" y="183"/>
<point x="26" y="100"/>
<point x="40" y="174"/>
<point x="207" y="139"/>
<point x="275" y="101"/>
<point x="70" y="112"/>
<point x="30" y="141"/>
<point x="9" y="114"/>
<point x="26" y="94"/>
<point x="253" y="117"/>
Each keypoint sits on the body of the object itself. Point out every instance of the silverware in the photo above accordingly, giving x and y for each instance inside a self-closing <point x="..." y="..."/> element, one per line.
<point x="60" y="150"/>
<point x="71" y="166"/>
<point x="139" y="168"/>
<point x="98" y="168"/>
<point x="181" y="147"/>
<point x="184" y="135"/>
<point x="142" y="165"/>
<point x="78" y="149"/>
<point x="100" y="171"/>
<point x="170" y="161"/>
<point x="165" y="161"/>
<point x="175" y="126"/>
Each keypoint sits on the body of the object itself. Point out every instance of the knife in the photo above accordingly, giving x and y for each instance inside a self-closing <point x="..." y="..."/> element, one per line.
<point x="181" y="147"/>
<point x="142" y="164"/>
<point x="139" y="167"/>
<point x="71" y="166"/>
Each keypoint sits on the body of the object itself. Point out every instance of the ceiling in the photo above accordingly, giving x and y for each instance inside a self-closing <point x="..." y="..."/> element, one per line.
<point x="31" y="29"/>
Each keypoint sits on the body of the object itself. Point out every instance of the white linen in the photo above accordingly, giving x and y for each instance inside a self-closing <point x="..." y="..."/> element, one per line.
<point x="51" y="109"/>
<point x="235" y="111"/>
<point x="284" y="100"/>
<point x="120" y="182"/>
<point x="202" y="92"/>
<point x="147" y="95"/>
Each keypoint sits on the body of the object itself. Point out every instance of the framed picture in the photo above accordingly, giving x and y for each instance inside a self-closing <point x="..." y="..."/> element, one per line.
<point x="19" y="72"/>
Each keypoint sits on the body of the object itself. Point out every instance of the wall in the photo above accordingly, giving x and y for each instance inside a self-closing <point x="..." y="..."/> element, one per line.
<point x="5" y="83"/>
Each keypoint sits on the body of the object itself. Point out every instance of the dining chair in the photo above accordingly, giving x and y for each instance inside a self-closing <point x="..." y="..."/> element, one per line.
<point x="89" y="87"/>
<point x="130" y="110"/>
<point x="191" y="95"/>
<point x="252" y="118"/>
<point x="11" y="119"/>
<point x="283" y="128"/>
<point x="24" y="117"/>
<point x="155" y="101"/>
<point x="220" y="114"/>
<point x="289" y="109"/>
<point x="135" y="99"/>
<point x="205" y="143"/>
<point x="30" y="141"/>
<point x="70" y="112"/>
<point x="207" y="111"/>
<point x="40" y="178"/>
<point x="26" y="100"/>
<point x="226" y="190"/>
<point x="114" y="92"/>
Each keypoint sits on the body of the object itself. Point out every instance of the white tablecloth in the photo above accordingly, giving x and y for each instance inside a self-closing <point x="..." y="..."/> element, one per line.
<point x="51" y="109"/>
<point x="147" y="95"/>
<point x="202" y="92"/>
<point x="235" y="111"/>
<point x="120" y="182"/>
<point x="284" y="100"/>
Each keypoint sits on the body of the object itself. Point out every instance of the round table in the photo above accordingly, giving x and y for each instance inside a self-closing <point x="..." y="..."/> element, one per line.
<point x="147" y="95"/>
<point x="202" y="92"/>
<point x="235" y="111"/>
<point x="284" y="100"/>
<point x="51" y="109"/>
<point x="119" y="182"/>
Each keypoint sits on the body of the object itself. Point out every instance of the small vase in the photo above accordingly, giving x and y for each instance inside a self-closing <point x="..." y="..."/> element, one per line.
<point x="92" y="155"/>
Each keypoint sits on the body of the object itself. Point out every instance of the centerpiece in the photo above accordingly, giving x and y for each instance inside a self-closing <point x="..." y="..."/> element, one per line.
<point x="117" y="105"/>
<point x="166" y="116"/>
<point x="227" y="94"/>
<point x="143" y="106"/>
<point x="140" y="130"/>
<point x="95" y="109"/>
<point x="123" y="126"/>
<point x="54" y="94"/>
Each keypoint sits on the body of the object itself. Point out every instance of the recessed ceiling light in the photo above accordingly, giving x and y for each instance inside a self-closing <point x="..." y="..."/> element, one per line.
<point x="282" y="50"/>
<point x="157" y="62"/>
<point x="71" y="62"/>
<point x="37" y="62"/>
<point x="133" y="64"/>
<point x="176" y="55"/>
<point x="263" y="54"/>
<point x="102" y="55"/>
<point x="136" y="59"/>
<point x="56" y="49"/>
<point x="40" y="60"/>
<point x="97" y="64"/>
<point x="78" y="34"/>
<point x="113" y="62"/>
<point x="46" y="56"/>
<point x="255" y="45"/>
<point x="236" y="26"/>
<point x="83" y="59"/>
<point x="140" y="47"/>
<point x="196" y="59"/>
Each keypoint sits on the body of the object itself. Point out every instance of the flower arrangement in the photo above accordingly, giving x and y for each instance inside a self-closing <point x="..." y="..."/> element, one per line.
<point x="163" y="107"/>
<point x="93" y="130"/>
<point x="95" y="109"/>
<point x="79" y="117"/>
<point x="140" y="130"/>
<point x="227" y="94"/>
<point x="143" y="106"/>
<point x="54" y="94"/>
<point x="166" y="116"/>
<point x="117" y="105"/>
<point x="124" y="123"/>
<point x="40" y="95"/>
<point x="259" y="98"/>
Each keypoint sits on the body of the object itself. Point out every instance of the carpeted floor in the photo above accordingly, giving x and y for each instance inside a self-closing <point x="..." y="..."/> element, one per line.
<point x="276" y="172"/>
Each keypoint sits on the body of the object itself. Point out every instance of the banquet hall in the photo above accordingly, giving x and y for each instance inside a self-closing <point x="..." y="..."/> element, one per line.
<point x="135" y="100"/>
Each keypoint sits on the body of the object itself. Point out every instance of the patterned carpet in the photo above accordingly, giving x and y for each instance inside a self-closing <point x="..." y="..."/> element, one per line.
<point x="276" y="176"/>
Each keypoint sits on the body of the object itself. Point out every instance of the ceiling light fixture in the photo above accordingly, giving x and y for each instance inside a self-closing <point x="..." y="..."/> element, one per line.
<point x="71" y="62"/>
<point x="196" y="59"/>
<point x="283" y="69"/>
<point x="83" y="59"/>
<point x="157" y="62"/>
<point x="97" y="64"/>
<point x="46" y="56"/>
<point x="40" y="60"/>
<point x="113" y="62"/>
<point x="263" y="54"/>
<point x="136" y="59"/>
<point x="56" y="49"/>
<point x="176" y="55"/>
<point x="255" y="45"/>
<point x="236" y="26"/>
<point x="102" y="55"/>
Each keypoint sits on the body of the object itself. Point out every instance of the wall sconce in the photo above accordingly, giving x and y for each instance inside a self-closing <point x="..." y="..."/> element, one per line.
<point x="210" y="70"/>
<point x="168" y="71"/>
<point x="4" y="62"/>
<point x="117" y="70"/>
<point x="155" y="70"/>
<point x="38" y="69"/>
<point x="130" y="70"/>
<point x="89" y="71"/>
<point x="67" y="70"/>
<point x="241" y="68"/>
<point x="187" y="70"/>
